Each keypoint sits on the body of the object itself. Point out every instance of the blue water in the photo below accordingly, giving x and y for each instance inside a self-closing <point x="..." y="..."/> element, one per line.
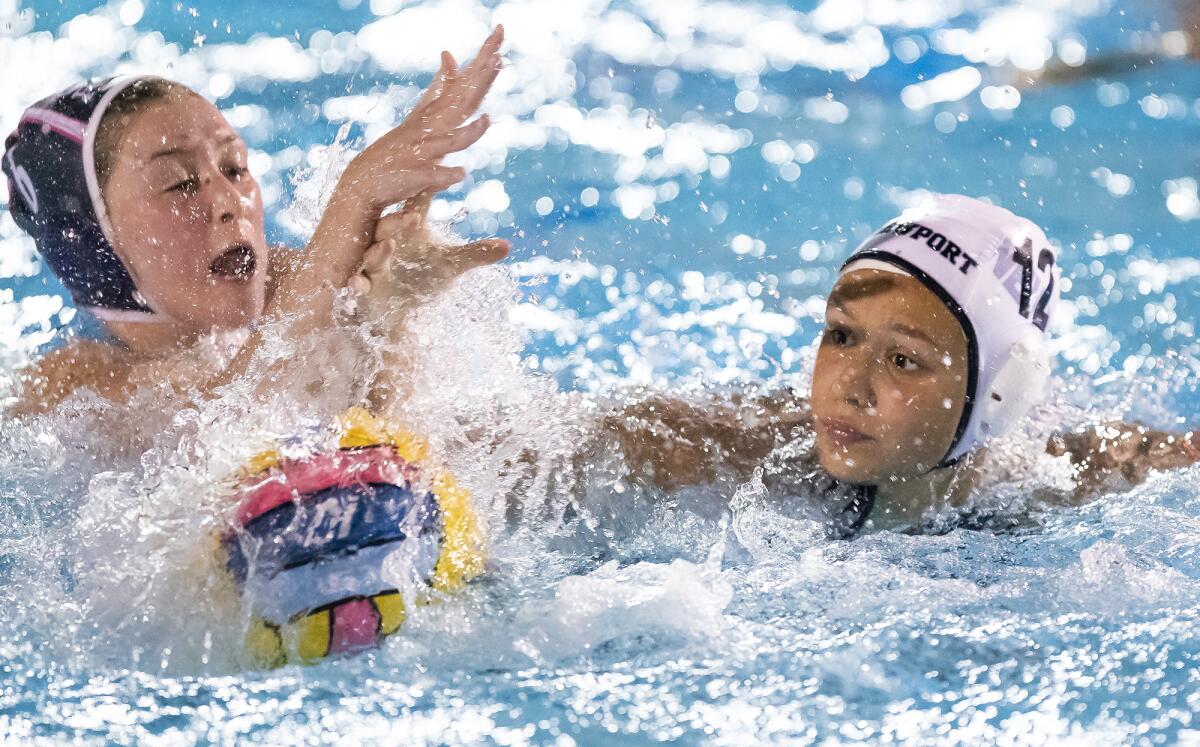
<point x="662" y="235"/>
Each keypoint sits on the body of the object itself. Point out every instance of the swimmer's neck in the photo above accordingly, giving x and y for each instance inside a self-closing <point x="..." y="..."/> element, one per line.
<point x="153" y="339"/>
<point x="164" y="336"/>
<point x="906" y="501"/>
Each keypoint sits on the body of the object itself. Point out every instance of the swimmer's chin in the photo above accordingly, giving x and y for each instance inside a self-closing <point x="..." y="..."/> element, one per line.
<point x="847" y="469"/>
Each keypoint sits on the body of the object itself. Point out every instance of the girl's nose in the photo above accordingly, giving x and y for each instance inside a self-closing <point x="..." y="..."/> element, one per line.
<point x="854" y="386"/>
<point x="225" y="203"/>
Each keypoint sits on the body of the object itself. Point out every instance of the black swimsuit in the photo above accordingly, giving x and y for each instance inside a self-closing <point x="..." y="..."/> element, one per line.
<point x="848" y="522"/>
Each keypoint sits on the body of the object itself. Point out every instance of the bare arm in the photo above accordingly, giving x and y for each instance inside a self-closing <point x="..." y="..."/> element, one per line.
<point x="674" y="443"/>
<point x="1122" y="452"/>
<point x="404" y="163"/>
<point x="399" y="167"/>
<point x="302" y="286"/>
<point x="52" y="379"/>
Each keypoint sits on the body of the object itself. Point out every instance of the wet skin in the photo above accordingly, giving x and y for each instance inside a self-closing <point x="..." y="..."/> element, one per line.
<point x="187" y="216"/>
<point x="889" y="384"/>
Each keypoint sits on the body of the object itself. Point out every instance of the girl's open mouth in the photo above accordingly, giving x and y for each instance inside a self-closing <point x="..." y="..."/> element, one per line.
<point x="236" y="263"/>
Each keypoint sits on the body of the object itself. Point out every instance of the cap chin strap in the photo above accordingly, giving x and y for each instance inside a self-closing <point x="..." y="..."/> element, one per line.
<point x="1016" y="389"/>
<point x="122" y="315"/>
<point x="111" y="89"/>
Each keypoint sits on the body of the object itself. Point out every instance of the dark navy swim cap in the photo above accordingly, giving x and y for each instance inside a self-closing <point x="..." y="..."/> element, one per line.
<point x="54" y="195"/>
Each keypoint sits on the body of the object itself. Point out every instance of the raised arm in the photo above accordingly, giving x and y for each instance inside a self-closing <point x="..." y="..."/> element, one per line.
<point x="400" y="166"/>
<point x="403" y="165"/>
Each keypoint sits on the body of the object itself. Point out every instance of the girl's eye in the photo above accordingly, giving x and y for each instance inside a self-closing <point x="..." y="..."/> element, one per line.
<point x="187" y="186"/>
<point x="836" y="336"/>
<point x="904" y="363"/>
<point x="236" y="172"/>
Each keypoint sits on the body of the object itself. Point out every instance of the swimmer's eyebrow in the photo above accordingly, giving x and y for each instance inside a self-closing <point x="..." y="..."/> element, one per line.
<point x="904" y="329"/>
<point x="836" y="303"/>
<point x="167" y="152"/>
<point x="859" y="288"/>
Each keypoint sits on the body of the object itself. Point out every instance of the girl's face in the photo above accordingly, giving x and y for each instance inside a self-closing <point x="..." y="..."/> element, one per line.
<point x="890" y="380"/>
<point x="187" y="217"/>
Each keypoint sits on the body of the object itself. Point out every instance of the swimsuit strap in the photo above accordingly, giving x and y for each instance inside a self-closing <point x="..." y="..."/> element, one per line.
<point x="850" y="520"/>
<point x="861" y="505"/>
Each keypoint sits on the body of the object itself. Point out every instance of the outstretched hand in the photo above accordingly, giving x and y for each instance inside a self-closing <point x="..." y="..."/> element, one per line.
<point x="1123" y="450"/>
<point x="407" y="160"/>
<point x="404" y="163"/>
<point x="406" y="260"/>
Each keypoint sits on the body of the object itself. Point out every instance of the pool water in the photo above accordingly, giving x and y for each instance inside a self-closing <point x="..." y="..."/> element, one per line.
<point x="680" y="182"/>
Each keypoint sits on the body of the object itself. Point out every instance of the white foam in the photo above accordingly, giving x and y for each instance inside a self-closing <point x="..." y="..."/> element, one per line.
<point x="677" y="598"/>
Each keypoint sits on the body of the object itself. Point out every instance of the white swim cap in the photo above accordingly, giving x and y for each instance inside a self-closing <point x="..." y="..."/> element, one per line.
<point x="998" y="275"/>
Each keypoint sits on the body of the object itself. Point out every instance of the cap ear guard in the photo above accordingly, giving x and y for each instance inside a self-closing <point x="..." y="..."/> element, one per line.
<point x="1018" y="386"/>
<point x="55" y="197"/>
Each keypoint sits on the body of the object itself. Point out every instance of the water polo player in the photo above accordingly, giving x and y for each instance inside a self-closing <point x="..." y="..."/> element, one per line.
<point x="137" y="194"/>
<point x="935" y="342"/>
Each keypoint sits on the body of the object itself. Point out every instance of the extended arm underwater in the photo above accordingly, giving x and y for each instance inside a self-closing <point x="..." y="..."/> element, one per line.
<point x="1108" y="453"/>
<point x="673" y="443"/>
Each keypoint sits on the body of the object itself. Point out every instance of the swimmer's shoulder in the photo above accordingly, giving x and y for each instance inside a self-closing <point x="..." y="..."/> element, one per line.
<point x="82" y="364"/>
<point x="281" y="261"/>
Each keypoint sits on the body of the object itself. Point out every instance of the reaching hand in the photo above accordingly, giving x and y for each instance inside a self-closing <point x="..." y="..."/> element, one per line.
<point x="407" y="160"/>
<point x="399" y="166"/>
<point x="406" y="261"/>
<point x="1125" y="450"/>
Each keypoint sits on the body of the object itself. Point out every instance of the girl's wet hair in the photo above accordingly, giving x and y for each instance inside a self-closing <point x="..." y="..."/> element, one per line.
<point x="131" y="101"/>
